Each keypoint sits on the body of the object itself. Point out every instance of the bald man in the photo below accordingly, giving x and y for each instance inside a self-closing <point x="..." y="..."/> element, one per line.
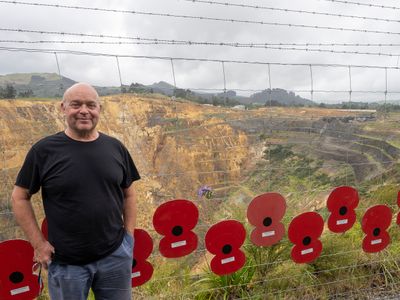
<point x="89" y="201"/>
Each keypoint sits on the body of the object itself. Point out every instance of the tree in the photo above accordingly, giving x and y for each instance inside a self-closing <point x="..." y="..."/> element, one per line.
<point x="182" y="93"/>
<point x="2" y="93"/>
<point x="26" y="94"/>
<point x="10" y="92"/>
<point x="137" y="88"/>
<point x="215" y="101"/>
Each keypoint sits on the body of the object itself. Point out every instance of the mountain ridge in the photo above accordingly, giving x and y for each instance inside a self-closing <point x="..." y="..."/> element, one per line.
<point x="50" y="85"/>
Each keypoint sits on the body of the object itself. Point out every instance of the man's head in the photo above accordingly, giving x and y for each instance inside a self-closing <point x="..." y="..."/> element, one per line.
<point x="81" y="107"/>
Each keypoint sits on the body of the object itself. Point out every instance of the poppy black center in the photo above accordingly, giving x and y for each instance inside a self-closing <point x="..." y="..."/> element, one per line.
<point x="134" y="263"/>
<point x="306" y="241"/>
<point x="177" y="230"/>
<point x="227" y="249"/>
<point x="267" y="221"/>
<point x="343" y="210"/>
<point x="376" y="232"/>
<point x="16" y="277"/>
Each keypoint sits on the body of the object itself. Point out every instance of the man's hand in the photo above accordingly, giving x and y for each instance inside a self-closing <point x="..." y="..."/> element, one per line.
<point x="25" y="216"/>
<point x="43" y="254"/>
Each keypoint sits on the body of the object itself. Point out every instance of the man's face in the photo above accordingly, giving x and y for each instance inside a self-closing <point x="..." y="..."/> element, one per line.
<point x="82" y="109"/>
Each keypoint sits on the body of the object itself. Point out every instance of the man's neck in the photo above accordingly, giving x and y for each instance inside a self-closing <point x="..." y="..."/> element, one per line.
<point x="85" y="136"/>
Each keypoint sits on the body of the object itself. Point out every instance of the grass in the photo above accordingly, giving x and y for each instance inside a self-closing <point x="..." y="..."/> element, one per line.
<point x="342" y="269"/>
<point x="386" y="194"/>
<point x="225" y="287"/>
<point x="171" y="276"/>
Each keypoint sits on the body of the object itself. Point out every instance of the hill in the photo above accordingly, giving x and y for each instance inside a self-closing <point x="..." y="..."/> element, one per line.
<point x="280" y="96"/>
<point x="50" y="85"/>
<point x="44" y="85"/>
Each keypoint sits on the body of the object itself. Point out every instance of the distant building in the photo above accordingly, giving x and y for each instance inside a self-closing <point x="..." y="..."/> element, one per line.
<point x="359" y="110"/>
<point x="239" y="107"/>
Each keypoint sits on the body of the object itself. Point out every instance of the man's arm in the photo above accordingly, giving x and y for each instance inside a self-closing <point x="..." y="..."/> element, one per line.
<point x="130" y="209"/>
<point x="25" y="216"/>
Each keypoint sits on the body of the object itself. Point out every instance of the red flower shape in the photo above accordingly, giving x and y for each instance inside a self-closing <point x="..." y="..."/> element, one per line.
<point x="175" y="220"/>
<point x="342" y="203"/>
<point x="398" y="204"/>
<point x="304" y="232"/>
<point x="45" y="229"/>
<point x="17" y="281"/>
<point x="142" y="270"/>
<point x="265" y="212"/>
<point x="374" y="224"/>
<point x="224" y="240"/>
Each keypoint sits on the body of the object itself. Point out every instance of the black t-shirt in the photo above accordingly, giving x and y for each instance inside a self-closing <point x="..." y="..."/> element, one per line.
<point x="82" y="189"/>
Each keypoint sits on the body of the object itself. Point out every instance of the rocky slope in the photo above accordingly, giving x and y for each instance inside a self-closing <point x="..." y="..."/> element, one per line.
<point x="177" y="146"/>
<point x="180" y="146"/>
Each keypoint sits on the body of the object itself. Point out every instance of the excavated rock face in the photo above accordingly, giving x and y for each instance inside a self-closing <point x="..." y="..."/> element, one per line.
<point x="181" y="146"/>
<point x="176" y="146"/>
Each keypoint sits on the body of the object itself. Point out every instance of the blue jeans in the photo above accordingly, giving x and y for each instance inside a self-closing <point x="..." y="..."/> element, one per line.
<point x="109" y="277"/>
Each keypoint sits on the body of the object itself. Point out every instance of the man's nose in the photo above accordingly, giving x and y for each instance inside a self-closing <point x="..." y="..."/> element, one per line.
<point x="84" y="109"/>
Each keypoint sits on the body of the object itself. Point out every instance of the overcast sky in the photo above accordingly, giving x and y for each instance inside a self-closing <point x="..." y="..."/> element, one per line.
<point x="209" y="75"/>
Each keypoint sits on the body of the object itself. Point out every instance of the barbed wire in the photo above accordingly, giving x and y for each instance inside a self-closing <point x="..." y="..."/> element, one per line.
<point x="371" y="293"/>
<point x="274" y="90"/>
<point x="227" y="4"/>
<point x="351" y="266"/>
<point x="202" y="250"/>
<point x="291" y="25"/>
<point x="270" y="168"/>
<point x="362" y="4"/>
<point x="169" y="58"/>
<point x="284" y="290"/>
<point x="155" y="41"/>
<point x="276" y="292"/>
<point x="238" y="169"/>
<point x="288" y="168"/>
<point x="194" y="43"/>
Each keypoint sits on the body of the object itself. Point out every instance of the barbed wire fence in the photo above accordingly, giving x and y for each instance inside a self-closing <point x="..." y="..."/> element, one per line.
<point x="218" y="137"/>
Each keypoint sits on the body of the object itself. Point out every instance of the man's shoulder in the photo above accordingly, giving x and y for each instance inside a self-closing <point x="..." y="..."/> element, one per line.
<point x="48" y="140"/>
<point x="110" y="139"/>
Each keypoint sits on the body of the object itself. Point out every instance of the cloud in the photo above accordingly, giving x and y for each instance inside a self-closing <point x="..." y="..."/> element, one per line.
<point x="196" y="74"/>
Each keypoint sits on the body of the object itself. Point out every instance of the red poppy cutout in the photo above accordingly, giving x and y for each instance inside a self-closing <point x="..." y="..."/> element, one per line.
<point x="142" y="270"/>
<point x="342" y="203"/>
<point x="224" y="240"/>
<point x="17" y="281"/>
<point x="304" y="232"/>
<point x="374" y="224"/>
<point x="265" y="212"/>
<point x="175" y="220"/>
<point x="398" y="204"/>
<point x="45" y="229"/>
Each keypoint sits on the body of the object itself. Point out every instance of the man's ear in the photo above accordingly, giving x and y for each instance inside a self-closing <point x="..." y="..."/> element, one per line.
<point x="62" y="106"/>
